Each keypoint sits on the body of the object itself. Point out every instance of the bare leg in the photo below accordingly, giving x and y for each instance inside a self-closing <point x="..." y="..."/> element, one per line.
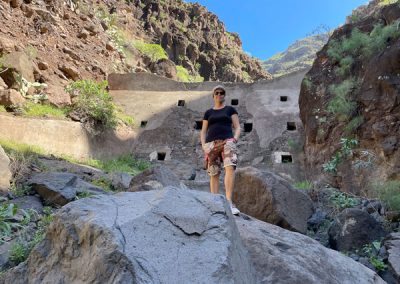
<point x="214" y="184"/>
<point x="229" y="182"/>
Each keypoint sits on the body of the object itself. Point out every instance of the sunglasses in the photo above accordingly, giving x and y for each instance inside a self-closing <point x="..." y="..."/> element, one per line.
<point x="220" y="93"/>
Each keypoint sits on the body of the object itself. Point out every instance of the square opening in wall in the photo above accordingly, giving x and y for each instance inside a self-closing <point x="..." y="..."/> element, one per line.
<point x="143" y="123"/>
<point x="291" y="126"/>
<point x="283" y="98"/>
<point x="287" y="159"/>
<point x="198" y="125"/>
<point x="248" y="126"/>
<point x="181" y="103"/>
<point x="234" y="102"/>
<point x="161" y="156"/>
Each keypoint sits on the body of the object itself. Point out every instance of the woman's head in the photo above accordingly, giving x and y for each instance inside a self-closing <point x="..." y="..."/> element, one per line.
<point x="219" y="94"/>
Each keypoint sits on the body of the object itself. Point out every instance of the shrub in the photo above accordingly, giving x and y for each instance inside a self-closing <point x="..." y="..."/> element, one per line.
<point x="341" y="201"/>
<point x="345" y="151"/>
<point x="154" y="51"/>
<point x="93" y="105"/>
<point x="341" y="105"/>
<point x="389" y="193"/>
<point x="184" y="76"/>
<point x="19" y="252"/>
<point x="354" y="123"/>
<point x="7" y="211"/>
<point x="2" y="108"/>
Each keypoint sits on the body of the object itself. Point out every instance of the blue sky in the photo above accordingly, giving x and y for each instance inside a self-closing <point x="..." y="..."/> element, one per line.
<point x="267" y="27"/>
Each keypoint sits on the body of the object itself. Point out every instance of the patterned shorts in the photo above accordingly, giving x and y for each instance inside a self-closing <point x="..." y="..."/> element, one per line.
<point x="219" y="151"/>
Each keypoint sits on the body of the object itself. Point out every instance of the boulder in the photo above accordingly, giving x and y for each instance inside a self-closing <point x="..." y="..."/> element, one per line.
<point x="5" y="173"/>
<point x="270" y="198"/>
<point x="56" y="95"/>
<point x="17" y="62"/>
<point x="352" y="229"/>
<point x="392" y="245"/>
<point x="70" y="72"/>
<point x="61" y="188"/>
<point x="161" y="236"/>
<point x="29" y="202"/>
<point x="281" y="256"/>
<point x="156" y="177"/>
<point x="11" y="97"/>
<point x="6" y="44"/>
<point x="121" y="181"/>
<point x="164" y="67"/>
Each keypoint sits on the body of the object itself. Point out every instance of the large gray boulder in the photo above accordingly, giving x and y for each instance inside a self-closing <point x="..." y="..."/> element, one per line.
<point x="352" y="229"/>
<point x="159" y="236"/>
<point x="392" y="245"/>
<point x="272" y="199"/>
<point x="281" y="256"/>
<point x="5" y="173"/>
<point x="60" y="188"/>
<point x="154" y="178"/>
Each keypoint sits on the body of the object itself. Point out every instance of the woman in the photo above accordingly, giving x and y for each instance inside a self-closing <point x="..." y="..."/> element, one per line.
<point x="219" y="143"/>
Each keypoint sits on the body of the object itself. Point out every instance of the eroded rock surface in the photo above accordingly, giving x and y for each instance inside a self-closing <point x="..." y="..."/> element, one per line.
<point x="160" y="236"/>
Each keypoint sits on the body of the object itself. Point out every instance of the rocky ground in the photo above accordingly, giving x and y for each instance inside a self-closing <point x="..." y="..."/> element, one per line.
<point x="49" y="184"/>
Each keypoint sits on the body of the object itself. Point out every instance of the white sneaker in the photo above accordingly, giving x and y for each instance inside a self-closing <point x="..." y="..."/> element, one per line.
<point x="234" y="210"/>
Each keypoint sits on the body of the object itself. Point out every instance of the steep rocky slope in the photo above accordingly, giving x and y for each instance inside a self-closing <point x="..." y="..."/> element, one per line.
<point x="298" y="56"/>
<point x="350" y="104"/>
<point x="70" y="40"/>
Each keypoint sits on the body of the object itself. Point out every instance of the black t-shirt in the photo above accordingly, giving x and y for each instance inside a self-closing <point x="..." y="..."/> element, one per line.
<point x="219" y="123"/>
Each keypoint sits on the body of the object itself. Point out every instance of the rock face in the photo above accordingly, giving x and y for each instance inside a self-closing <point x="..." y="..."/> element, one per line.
<point x="281" y="256"/>
<point x="355" y="98"/>
<point x="298" y="56"/>
<point x="5" y="173"/>
<point x="167" y="236"/>
<point x="392" y="245"/>
<point x="61" y="188"/>
<point x="352" y="229"/>
<point x="156" y="177"/>
<point x="269" y="198"/>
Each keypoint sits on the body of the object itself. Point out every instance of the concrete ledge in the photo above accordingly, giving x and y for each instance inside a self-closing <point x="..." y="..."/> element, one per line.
<point x="65" y="137"/>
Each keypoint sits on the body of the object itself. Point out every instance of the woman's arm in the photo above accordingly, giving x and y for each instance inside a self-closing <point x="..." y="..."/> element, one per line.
<point x="203" y="133"/>
<point x="236" y="126"/>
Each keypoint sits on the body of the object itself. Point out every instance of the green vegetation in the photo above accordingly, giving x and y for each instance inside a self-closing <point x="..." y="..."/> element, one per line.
<point x="124" y="163"/>
<point x="22" y="247"/>
<point x="341" y="200"/>
<point x="104" y="183"/>
<point x="341" y="105"/>
<point x="362" y="44"/>
<point x="154" y="51"/>
<point x="246" y="77"/>
<point x="345" y="151"/>
<point x="354" y="124"/>
<point x="93" y="104"/>
<point x="83" y="194"/>
<point x="7" y="211"/>
<point x="307" y="83"/>
<point x="2" y="108"/>
<point x="388" y="2"/>
<point x="371" y="251"/>
<point x="306" y="184"/>
<point x="32" y="109"/>
<point x="184" y="76"/>
<point x="389" y="193"/>
<point x="18" y="252"/>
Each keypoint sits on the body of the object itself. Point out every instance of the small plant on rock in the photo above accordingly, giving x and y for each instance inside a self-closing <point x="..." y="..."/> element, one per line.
<point x="341" y="200"/>
<point x="7" y="211"/>
<point x="389" y="193"/>
<point x="345" y="151"/>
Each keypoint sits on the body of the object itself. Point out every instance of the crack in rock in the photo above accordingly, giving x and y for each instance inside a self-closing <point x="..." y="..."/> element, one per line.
<point x="116" y="226"/>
